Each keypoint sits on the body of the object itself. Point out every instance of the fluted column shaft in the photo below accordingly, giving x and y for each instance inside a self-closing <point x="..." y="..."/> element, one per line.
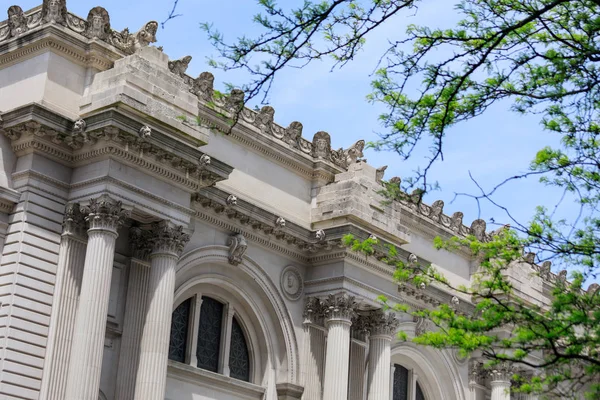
<point x="314" y="358"/>
<point x="133" y="325"/>
<point x="380" y="356"/>
<point x="167" y="243"/>
<point x="358" y="358"/>
<point x="104" y="216"/>
<point x="500" y="383"/>
<point x="339" y="310"/>
<point x="69" y="272"/>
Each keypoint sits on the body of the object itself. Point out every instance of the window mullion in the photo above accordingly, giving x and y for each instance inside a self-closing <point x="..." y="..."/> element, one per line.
<point x="412" y="390"/>
<point x="392" y="371"/>
<point x="226" y="340"/>
<point x="191" y="357"/>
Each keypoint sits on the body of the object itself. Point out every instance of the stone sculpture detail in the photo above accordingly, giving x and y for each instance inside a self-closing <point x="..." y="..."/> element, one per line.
<point x="339" y="306"/>
<point x="54" y="11"/>
<point x="478" y="229"/>
<point x="237" y="247"/>
<point x="293" y="134"/>
<point x="381" y="323"/>
<point x="167" y="238"/>
<point x="202" y="86"/>
<point x="322" y="145"/>
<point x="105" y="212"/>
<point x="145" y="132"/>
<point x="17" y="22"/>
<point x="235" y="101"/>
<point x="97" y="25"/>
<point x="292" y="284"/>
<point x="231" y="200"/>
<point x="178" y="67"/>
<point x="264" y="119"/>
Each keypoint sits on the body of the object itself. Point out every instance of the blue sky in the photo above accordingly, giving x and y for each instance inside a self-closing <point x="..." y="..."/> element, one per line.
<point x="491" y="147"/>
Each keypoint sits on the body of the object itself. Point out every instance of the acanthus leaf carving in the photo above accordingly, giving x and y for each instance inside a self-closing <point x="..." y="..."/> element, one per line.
<point x="167" y="238"/>
<point x="74" y="221"/>
<point x="105" y="213"/>
<point x="382" y="323"/>
<point x="340" y="307"/>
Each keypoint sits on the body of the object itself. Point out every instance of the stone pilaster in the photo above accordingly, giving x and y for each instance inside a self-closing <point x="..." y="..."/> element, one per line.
<point x="135" y="314"/>
<point x="382" y="327"/>
<point x="104" y="216"/>
<point x="500" y="377"/>
<point x="167" y="244"/>
<point x="339" y="311"/>
<point x="314" y="350"/>
<point x="71" y="257"/>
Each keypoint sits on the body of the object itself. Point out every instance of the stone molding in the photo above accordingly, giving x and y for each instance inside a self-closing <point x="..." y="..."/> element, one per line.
<point x="105" y="214"/>
<point x="289" y="391"/>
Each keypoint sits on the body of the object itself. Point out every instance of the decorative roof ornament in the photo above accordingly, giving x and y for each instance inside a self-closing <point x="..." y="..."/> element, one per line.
<point x="322" y="145"/>
<point x="178" y="67"/>
<point x="593" y="289"/>
<point x="280" y="223"/>
<point x="478" y="229"/>
<point x="354" y="153"/>
<point x="97" y="25"/>
<point x="380" y="173"/>
<point x="264" y="119"/>
<point x="204" y="160"/>
<point x="235" y="101"/>
<point x="412" y="259"/>
<point x="145" y="36"/>
<point x="17" y="21"/>
<point x="545" y="270"/>
<point x="202" y="86"/>
<point x="54" y="11"/>
<point x="293" y="134"/>
<point x="456" y="221"/>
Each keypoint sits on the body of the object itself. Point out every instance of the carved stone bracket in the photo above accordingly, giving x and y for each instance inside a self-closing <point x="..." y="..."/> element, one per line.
<point x="237" y="247"/>
<point x="105" y="213"/>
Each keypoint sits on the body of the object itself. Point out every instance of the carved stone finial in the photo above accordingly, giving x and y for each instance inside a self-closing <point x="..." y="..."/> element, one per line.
<point x="97" y="25"/>
<point x="529" y="258"/>
<point x="235" y="101"/>
<point x="17" y="21"/>
<point x="145" y="36"/>
<point x="437" y="208"/>
<point x="264" y="119"/>
<point x="322" y="145"/>
<point x="204" y="160"/>
<point x="355" y="152"/>
<point x="178" y="67"/>
<point x="105" y="213"/>
<point x="74" y="220"/>
<point x="380" y="173"/>
<point x="381" y="323"/>
<point x="237" y="247"/>
<point x="478" y="229"/>
<point x="396" y="181"/>
<point x="145" y="132"/>
<point x="456" y="221"/>
<point x="339" y="306"/>
<point x="54" y="11"/>
<point x="545" y="270"/>
<point x="203" y="86"/>
<point x="167" y="238"/>
<point x="231" y="200"/>
<point x="293" y="134"/>
<point x="320" y="235"/>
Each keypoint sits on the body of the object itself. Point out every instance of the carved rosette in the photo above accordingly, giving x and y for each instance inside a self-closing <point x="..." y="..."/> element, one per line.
<point x="167" y="238"/>
<point x="105" y="213"/>
<point x="339" y="307"/>
<point x="381" y="323"/>
<point x="237" y="247"/>
<point x="74" y="221"/>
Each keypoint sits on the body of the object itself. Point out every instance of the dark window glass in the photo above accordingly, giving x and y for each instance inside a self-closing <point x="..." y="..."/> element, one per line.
<point x="209" y="334"/>
<point x="419" y="395"/>
<point x="400" y="383"/>
<point x="179" y="331"/>
<point x="239" y="357"/>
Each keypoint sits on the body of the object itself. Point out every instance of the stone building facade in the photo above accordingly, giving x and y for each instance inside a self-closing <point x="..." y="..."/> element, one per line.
<point x="161" y="241"/>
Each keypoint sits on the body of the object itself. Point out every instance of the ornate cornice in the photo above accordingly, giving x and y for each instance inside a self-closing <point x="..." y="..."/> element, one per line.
<point x="105" y="214"/>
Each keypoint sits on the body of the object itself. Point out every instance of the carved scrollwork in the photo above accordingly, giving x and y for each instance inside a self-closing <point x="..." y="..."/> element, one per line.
<point x="237" y="247"/>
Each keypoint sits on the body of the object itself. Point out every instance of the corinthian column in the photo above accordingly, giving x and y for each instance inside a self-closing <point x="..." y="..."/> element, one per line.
<point x="314" y="349"/>
<point x="71" y="257"/>
<point x="339" y="310"/>
<point x="500" y="382"/>
<point x="104" y="215"/>
<point x="382" y="327"/>
<point x="476" y="380"/>
<point x="167" y="244"/>
<point x="358" y="358"/>
<point x="135" y="313"/>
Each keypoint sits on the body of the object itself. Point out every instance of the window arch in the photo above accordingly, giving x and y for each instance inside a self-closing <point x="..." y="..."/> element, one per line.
<point x="406" y="385"/>
<point x="208" y="334"/>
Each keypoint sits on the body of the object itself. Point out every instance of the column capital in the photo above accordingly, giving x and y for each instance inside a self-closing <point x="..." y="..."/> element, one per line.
<point x="381" y="323"/>
<point x="74" y="221"/>
<point x="339" y="306"/>
<point x="167" y="238"/>
<point x="477" y="374"/>
<point x="140" y="243"/>
<point x="502" y="372"/>
<point x="105" y="213"/>
<point x="314" y="311"/>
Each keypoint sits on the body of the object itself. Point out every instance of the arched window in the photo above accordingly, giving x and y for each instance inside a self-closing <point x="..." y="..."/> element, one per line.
<point x="207" y="334"/>
<point x="403" y="389"/>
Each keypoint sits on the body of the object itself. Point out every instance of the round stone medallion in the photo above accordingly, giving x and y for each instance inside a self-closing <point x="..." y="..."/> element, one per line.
<point x="292" y="284"/>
